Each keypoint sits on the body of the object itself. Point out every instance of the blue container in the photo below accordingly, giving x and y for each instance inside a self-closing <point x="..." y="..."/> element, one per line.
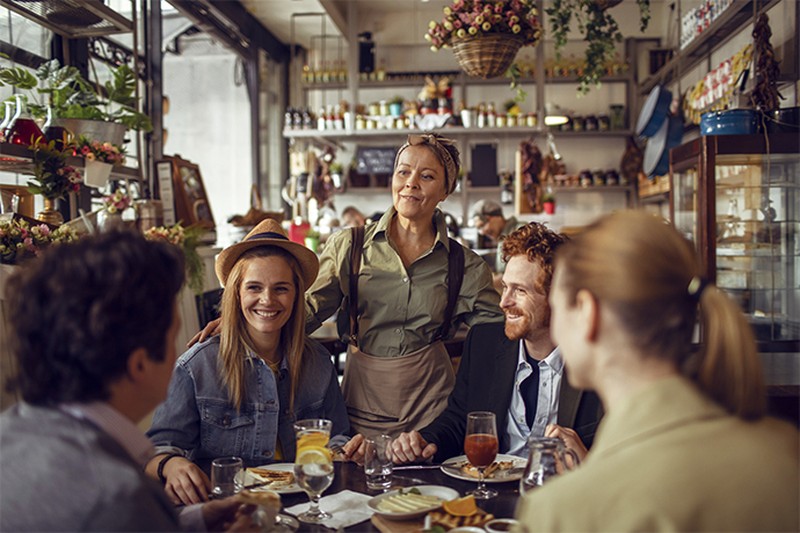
<point x="730" y="122"/>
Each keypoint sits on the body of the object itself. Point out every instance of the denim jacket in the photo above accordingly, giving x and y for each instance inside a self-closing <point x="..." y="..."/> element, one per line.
<point x="198" y="421"/>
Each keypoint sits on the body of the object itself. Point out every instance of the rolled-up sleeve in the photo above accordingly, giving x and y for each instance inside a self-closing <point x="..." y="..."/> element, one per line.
<point x="478" y="300"/>
<point x="325" y="296"/>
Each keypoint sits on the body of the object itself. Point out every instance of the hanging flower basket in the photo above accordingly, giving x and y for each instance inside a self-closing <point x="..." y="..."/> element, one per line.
<point x="487" y="56"/>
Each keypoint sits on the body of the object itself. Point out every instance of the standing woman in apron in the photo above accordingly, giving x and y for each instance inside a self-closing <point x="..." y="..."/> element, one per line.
<point x="406" y="288"/>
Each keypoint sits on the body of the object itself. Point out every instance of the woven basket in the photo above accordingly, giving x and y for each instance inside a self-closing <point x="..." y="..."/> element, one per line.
<point x="487" y="56"/>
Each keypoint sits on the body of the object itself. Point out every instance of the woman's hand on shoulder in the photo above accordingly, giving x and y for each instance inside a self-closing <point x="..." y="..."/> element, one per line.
<point x="211" y="329"/>
<point x="186" y="482"/>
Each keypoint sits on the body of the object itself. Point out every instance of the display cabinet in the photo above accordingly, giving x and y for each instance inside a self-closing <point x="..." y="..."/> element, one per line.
<point x="737" y="198"/>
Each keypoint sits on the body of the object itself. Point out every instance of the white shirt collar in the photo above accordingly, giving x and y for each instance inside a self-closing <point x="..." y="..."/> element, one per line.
<point x="121" y="429"/>
<point x="553" y="359"/>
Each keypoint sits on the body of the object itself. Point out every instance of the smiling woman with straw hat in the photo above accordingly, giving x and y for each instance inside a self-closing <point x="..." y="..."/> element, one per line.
<point x="239" y="393"/>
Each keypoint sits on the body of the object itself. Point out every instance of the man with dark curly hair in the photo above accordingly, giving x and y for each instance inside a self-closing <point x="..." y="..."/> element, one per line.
<point x="513" y="369"/>
<point x="92" y="331"/>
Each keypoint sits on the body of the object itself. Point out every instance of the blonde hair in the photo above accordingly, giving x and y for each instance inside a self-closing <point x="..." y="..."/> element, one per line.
<point x="641" y="268"/>
<point x="234" y="339"/>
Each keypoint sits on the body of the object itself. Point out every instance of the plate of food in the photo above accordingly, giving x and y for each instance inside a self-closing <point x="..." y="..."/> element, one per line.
<point x="504" y="468"/>
<point x="411" y="502"/>
<point x="278" y="477"/>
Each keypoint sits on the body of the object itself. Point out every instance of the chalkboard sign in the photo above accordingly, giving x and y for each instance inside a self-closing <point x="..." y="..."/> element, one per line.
<point x="375" y="160"/>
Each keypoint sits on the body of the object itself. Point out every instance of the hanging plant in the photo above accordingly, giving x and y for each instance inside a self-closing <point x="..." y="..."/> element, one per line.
<point x="600" y="30"/>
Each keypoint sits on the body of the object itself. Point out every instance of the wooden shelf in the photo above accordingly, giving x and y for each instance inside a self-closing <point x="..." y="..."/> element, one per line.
<point x="726" y="26"/>
<point x="17" y="158"/>
<point x="452" y="131"/>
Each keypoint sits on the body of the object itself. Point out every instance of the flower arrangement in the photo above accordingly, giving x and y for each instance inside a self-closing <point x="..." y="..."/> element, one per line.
<point x="105" y="152"/>
<point x="474" y="18"/>
<point x="117" y="202"/>
<point x="53" y="177"/>
<point x="187" y="239"/>
<point x="19" y="240"/>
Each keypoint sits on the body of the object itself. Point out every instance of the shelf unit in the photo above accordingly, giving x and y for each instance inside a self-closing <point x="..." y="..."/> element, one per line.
<point x="726" y="26"/>
<point x="17" y="158"/>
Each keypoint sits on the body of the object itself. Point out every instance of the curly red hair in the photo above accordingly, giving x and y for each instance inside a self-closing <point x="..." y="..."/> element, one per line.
<point x="539" y="244"/>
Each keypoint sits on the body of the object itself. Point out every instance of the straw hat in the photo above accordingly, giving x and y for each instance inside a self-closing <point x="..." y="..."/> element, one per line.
<point x="268" y="233"/>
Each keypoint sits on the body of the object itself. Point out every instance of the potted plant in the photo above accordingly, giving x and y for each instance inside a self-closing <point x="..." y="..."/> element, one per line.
<point x="485" y="36"/>
<point x="187" y="239"/>
<point x="20" y="240"/>
<point x="600" y="30"/>
<point x="71" y="97"/>
<point x="549" y="203"/>
<point x="100" y="157"/>
<point x="53" y="178"/>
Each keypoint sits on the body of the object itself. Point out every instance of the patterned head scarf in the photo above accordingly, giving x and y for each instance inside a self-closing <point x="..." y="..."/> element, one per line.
<point x="440" y="146"/>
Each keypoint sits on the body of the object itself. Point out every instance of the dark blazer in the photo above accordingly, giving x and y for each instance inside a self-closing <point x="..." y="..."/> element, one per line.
<point x="485" y="382"/>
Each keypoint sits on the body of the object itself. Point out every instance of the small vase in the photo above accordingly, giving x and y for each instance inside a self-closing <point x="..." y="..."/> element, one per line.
<point x="49" y="214"/>
<point x="549" y="208"/>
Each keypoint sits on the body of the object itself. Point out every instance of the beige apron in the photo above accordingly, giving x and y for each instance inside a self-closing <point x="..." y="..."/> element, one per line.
<point x="395" y="394"/>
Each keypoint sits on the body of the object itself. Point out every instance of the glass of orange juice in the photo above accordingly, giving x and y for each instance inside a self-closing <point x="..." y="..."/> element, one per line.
<point x="313" y="465"/>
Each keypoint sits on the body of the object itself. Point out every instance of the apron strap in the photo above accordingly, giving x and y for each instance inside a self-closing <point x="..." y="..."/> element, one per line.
<point x="356" y="249"/>
<point x="455" y="276"/>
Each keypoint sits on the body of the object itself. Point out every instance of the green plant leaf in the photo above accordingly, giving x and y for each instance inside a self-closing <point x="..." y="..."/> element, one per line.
<point x="18" y="77"/>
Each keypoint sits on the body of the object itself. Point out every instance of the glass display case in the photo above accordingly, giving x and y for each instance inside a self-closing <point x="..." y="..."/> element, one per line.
<point x="737" y="197"/>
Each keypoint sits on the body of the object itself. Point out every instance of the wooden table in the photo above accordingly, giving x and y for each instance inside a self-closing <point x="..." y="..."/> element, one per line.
<point x="350" y="476"/>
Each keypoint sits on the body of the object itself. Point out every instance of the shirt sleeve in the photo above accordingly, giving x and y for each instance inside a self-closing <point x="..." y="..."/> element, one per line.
<point x="478" y="300"/>
<point x="176" y="422"/>
<point x="325" y="296"/>
<point x="191" y="518"/>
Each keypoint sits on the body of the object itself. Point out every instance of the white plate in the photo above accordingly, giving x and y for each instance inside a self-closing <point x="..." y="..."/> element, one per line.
<point x="445" y="493"/>
<point x="281" y="467"/>
<point x="452" y="467"/>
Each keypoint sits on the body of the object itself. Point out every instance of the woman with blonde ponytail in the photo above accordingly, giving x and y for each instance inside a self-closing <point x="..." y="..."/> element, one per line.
<point x="685" y="444"/>
<point x="239" y="394"/>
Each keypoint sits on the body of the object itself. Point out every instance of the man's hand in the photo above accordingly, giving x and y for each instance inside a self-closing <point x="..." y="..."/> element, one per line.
<point x="354" y="449"/>
<point x="411" y="448"/>
<point x="571" y="441"/>
<point x="229" y="514"/>
<point x="186" y="482"/>
<point x="211" y="329"/>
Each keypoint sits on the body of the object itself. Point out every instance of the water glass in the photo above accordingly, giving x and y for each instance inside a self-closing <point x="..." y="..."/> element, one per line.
<point x="313" y="464"/>
<point x="378" y="462"/>
<point x="227" y="476"/>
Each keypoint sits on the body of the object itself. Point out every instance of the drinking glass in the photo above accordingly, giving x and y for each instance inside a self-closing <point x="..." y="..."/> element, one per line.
<point x="226" y="476"/>
<point x="547" y="458"/>
<point x="481" y="445"/>
<point x="378" y="462"/>
<point x="313" y="465"/>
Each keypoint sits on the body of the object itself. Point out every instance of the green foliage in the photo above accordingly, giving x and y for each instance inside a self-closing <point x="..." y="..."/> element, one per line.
<point x="600" y="29"/>
<point x="70" y="95"/>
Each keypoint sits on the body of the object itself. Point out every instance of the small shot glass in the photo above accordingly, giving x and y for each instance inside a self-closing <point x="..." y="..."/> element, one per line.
<point x="378" y="462"/>
<point x="227" y="476"/>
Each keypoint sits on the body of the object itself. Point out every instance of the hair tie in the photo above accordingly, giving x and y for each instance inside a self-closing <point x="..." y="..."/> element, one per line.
<point x="696" y="287"/>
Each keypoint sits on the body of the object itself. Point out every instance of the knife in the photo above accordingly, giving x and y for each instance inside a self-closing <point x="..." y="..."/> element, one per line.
<point x="418" y="467"/>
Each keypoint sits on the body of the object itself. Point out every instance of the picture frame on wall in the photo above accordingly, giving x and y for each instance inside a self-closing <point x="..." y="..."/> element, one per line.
<point x="191" y="201"/>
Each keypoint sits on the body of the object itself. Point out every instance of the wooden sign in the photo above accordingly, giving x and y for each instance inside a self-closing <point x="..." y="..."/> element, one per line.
<point x="191" y="201"/>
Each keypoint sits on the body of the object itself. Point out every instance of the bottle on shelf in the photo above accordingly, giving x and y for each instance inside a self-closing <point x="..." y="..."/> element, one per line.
<point x="22" y="129"/>
<point x="60" y="135"/>
<point x="491" y="116"/>
<point x="6" y="119"/>
<point x="321" y="121"/>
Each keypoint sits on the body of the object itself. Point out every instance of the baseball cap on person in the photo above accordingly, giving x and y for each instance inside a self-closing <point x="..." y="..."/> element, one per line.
<point x="486" y="208"/>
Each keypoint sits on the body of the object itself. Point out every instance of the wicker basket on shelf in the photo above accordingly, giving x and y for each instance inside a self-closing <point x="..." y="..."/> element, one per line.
<point x="487" y="56"/>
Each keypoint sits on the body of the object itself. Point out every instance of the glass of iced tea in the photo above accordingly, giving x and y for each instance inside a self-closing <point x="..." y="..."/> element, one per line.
<point x="481" y="446"/>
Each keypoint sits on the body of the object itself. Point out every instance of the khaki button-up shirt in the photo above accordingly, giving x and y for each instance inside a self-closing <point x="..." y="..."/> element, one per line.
<point x="399" y="309"/>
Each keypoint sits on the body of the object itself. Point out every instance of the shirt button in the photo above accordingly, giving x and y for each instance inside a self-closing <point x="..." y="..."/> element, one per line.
<point x="267" y="453"/>
<point x="405" y="280"/>
<point x="397" y="330"/>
